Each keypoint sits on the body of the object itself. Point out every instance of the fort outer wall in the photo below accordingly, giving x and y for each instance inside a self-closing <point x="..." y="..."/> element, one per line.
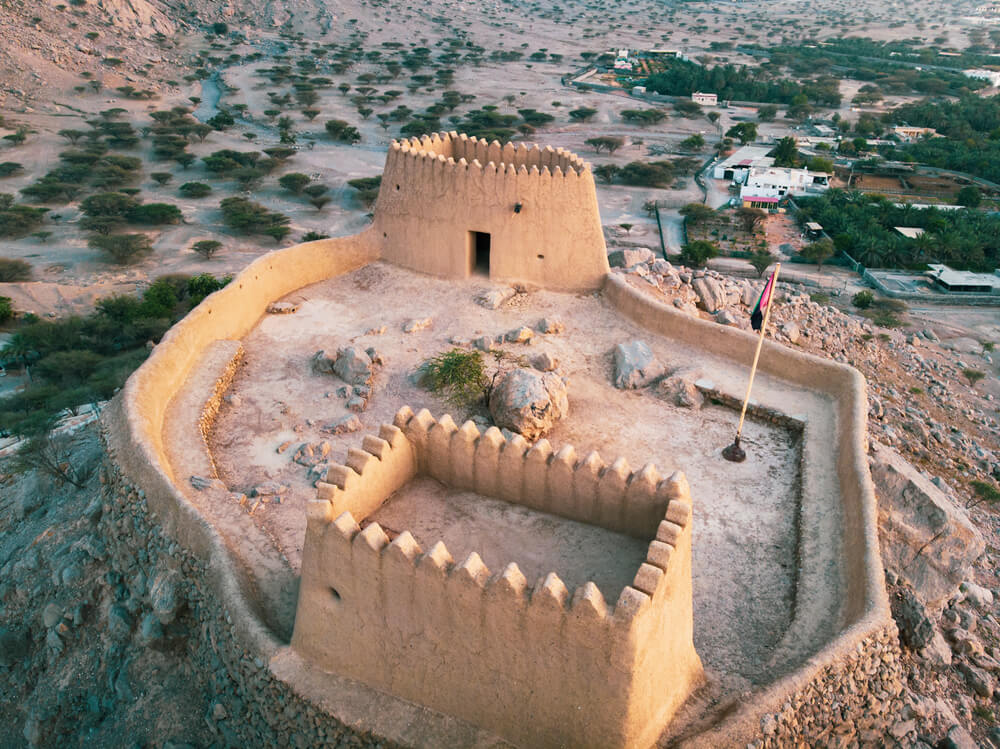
<point x="539" y="207"/>
<point x="536" y="664"/>
<point x="146" y="512"/>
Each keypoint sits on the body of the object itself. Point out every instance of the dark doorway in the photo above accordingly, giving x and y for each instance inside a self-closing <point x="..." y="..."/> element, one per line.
<point x="481" y="248"/>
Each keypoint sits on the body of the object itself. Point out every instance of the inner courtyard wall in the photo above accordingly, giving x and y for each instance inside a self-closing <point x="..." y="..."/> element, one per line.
<point x="539" y="207"/>
<point x="532" y="661"/>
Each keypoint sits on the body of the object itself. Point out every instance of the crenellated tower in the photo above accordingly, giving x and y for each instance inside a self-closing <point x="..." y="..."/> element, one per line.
<point x="453" y="206"/>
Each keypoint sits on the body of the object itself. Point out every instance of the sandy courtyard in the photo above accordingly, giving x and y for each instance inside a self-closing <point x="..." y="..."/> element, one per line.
<point x="745" y="537"/>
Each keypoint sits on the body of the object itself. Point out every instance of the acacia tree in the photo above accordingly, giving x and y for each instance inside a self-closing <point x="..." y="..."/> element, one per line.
<point x="761" y="260"/>
<point x="605" y="142"/>
<point x="751" y="218"/>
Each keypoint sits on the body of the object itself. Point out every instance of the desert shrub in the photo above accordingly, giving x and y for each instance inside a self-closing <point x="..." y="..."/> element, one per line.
<point x="122" y="248"/>
<point x="194" y="190"/>
<point x="6" y="309"/>
<point x="458" y="375"/>
<point x="200" y="286"/>
<point x="583" y="114"/>
<point x="10" y="168"/>
<point x="207" y="247"/>
<point x="161" y="178"/>
<point x="12" y="270"/>
<point x="863" y="299"/>
<point x="312" y="236"/>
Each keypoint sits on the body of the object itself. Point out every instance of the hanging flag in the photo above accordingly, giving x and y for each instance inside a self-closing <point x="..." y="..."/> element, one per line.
<point x="757" y="316"/>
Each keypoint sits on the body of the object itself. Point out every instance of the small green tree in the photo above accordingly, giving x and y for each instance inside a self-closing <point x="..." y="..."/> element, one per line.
<point x="696" y="213"/>
<point x="207" y="248"/>
<point x="969" y="196"/>
<point x="973" y="375"/>
<point x="761" y="260"/>
<point x="195" y="190"/>
<point x="122" y="248"/>
<point x="294" y="182"/>
<point x="607" y="172"/>
<point x="161" y="178"/>
<point x="605" y="143"/>
<point x="695" y="254"/>
<point x="6" y="309"/>
<point x="745" y="132"/>
<point x="583" y="114"/>
<point x="13" y="270"/>
<point x="693" y="143"/>
<point x="818" y="252"/>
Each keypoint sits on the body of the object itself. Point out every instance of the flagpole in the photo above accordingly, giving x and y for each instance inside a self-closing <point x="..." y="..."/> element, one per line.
<point x="734" y="452"/>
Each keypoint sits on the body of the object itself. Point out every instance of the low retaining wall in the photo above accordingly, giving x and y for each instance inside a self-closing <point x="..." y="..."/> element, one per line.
<point x="955" y="298"/>
<point x="865" y="611"/>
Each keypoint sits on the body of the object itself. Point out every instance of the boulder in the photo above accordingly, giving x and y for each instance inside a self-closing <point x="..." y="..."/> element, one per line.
<point x="353" y="365"/>
<point x="421" y="323"/>
<point x="635" y="365"/>
<point x="165" y="595"/>
<point x="791" y="331"/>
<point x="726" y="317"/>
<point x="519" y="335"/>
<point x="549" y="325"/>
<point x="926" y="538"/>
<point x="544" y="362"/>
<point x="680" y="389"/>
<point x="322" y="362"/>
<point x="916" y="630"/>
<point x="528" y="402"/>
<point x="628" y="257"/>
<point x="494" y="298"/>
<point x="711" y="294"/>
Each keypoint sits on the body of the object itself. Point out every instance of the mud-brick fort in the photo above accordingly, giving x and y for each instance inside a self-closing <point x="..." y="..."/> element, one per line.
<point x="370" y="611"/>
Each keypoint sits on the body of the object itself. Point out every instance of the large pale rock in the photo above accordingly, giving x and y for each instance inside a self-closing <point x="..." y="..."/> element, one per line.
<point x="926" y="538"/>
<point x="711" y="294"/>
<point x="635" y="365"/>
<point x="353" y="365"/>
<point x="632" y="256"/>
<point x="165" y="595"/>
<point x="680" y="388"/>
<point x="528" y="402"/>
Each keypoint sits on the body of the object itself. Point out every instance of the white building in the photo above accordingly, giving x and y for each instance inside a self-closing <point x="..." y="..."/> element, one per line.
<point x="706" y="100"/>
<point x="963" y="281"/>
<point x="766" y="186"/>
<point x="738" y="164"/>
<point x="992" y="76"/>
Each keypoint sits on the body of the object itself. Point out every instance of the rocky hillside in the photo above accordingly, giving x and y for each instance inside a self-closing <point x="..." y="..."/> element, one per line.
<point x="48" y="48"/>
<point x="98" y="648"/>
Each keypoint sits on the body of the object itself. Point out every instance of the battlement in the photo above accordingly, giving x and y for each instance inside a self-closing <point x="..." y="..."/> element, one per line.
<point x="454" y="206"/>
<point x="532" y="661"/>
<point x="454" y="149"/>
